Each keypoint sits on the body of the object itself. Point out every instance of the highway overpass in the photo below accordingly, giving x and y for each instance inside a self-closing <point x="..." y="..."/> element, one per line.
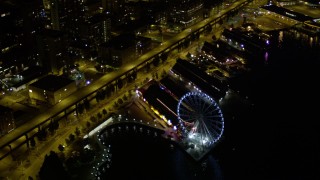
<point x="21" y="135"/>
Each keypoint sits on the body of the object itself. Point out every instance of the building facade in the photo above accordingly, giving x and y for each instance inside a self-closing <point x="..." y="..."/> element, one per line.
<point x="51" y="89"/>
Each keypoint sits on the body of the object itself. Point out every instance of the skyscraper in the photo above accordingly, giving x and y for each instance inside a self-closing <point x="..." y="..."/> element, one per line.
<point x="52" y="10"/>
<point x="52" y="49"/>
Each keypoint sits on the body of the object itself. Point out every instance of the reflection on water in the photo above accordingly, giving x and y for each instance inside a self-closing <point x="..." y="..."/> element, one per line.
<point x="258" y="143"/>
<point x="140" y="155"/>
<point x="311" y="41"/>
<point x="266" y="57"/>
<point x="280" y="37"/>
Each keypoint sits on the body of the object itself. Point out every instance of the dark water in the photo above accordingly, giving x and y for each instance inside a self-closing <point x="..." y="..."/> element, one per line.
<point x="137" y="155"/>
<point x="278" y="138"/>
<point x="275" y="138"/>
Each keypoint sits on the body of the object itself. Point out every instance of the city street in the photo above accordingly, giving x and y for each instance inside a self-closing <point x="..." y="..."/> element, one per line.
<point x="30" y="160"/>
<point x="80" y="94"/>
<point x="29" y="165"/>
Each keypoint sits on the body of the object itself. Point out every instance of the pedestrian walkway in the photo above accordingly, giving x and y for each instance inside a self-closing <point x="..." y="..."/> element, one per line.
<point x="30" y="160"/>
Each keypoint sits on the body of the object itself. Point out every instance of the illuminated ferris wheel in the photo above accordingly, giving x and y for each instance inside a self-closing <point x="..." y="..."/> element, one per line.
<point x="200" y="119"/>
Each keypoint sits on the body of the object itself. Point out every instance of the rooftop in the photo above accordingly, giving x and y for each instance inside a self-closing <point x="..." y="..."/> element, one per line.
<point x="29" y="74"/>
<point x="121" y="42"/>
<point x="52" y="83"/>
<point x="288" y="13"/>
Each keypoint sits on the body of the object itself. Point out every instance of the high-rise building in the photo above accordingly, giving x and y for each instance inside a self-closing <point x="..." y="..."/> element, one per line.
<point x="10" y="36"/>
<point x="52" y="14"/>
<point x="62" y="14"/>
<point x="18" y="25"/>
<point x="97" y="29"/>
<point x="106" y="4"/>
<point x="185" y="12"/>
<point x="52" y="45"/>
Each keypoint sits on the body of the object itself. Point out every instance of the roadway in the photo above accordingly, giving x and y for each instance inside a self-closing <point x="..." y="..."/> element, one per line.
<point x="18" y="137"/>
<point x="29" y="161"/>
